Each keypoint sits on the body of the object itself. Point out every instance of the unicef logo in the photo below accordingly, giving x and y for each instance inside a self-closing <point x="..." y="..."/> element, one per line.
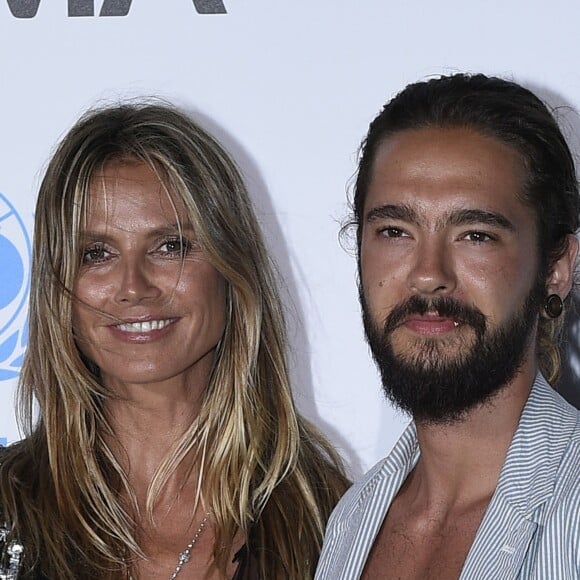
<point x="14" y="286"/>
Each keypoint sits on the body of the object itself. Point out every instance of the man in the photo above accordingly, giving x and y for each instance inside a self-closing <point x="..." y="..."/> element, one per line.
<point x="465" y="207"/>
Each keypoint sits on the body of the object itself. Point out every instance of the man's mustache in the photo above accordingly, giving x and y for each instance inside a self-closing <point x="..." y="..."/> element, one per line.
<point x="443" y="306"/>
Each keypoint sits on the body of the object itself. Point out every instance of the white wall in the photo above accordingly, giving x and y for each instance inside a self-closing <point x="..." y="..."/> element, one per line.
<point x="289" y="88"/>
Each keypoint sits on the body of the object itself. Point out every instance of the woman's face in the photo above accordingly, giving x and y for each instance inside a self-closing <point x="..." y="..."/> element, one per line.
<point x="149" y="307"/>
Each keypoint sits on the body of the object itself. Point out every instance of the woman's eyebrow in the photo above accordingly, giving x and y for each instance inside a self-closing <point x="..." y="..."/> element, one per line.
<point x="95" y="235"/>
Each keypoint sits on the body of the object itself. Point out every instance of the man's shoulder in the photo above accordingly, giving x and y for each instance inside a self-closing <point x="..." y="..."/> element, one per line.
<point x="346" y="527"/>
<point x="553" y="428"/>
<point x="359" y="490"/>
<point x="568" y="476"/>
<point x="355" y="520"/>
<point x="549" y="425"/>
<point x="547" y="397"/>
<point x="542" y="467"/>
<point x="380" y="482"/>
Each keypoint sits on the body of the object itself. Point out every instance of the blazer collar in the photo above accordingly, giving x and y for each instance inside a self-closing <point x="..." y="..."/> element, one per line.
<point x="526" y="483"/>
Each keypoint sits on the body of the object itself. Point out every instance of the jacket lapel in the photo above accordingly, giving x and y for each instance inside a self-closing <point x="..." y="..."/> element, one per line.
<point x="500" y="546"/>
<point x="364" y="522"/>
<point x="525" y="487"/>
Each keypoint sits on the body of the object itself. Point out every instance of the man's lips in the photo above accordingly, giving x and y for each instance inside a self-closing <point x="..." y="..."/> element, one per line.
<point x="431" y="324"/>
<point x="437" y="316"/>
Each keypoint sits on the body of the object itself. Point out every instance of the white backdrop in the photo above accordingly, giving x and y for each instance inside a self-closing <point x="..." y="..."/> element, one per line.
<point x="289" y="88"/>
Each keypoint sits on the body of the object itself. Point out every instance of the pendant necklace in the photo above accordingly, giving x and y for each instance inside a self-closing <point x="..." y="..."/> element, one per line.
<point x="186" y="554"/>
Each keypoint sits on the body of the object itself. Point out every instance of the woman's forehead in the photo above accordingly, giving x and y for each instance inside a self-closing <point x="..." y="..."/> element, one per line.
<point x="122" y="190"/>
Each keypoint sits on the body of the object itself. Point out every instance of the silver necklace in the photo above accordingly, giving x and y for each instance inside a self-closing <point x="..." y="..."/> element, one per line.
<point x="186" y="554"/>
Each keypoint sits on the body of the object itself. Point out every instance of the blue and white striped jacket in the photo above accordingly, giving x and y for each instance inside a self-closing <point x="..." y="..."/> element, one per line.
<point x="531" y="529"/>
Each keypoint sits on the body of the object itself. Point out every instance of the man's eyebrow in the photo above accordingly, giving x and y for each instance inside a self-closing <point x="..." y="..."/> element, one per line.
<point x="460" y="217"/>
<point x="479" y="216"/>
<point x="401" y="212"/>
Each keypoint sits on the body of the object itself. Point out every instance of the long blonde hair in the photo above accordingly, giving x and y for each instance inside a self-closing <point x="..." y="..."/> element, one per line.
<point x="264" y="470"/>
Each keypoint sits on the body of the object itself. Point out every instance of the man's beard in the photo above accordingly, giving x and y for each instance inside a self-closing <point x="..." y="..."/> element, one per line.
<point x="431" y="383"/>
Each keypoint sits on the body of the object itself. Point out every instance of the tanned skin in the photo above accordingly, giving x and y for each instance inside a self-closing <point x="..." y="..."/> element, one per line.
<point x="415" y="241"/>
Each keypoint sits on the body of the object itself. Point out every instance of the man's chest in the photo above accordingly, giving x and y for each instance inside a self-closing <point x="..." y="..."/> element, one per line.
<point x="411" y="548"/>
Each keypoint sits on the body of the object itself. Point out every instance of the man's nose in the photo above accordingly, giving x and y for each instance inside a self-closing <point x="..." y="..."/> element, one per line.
<point x="432" y="271"/>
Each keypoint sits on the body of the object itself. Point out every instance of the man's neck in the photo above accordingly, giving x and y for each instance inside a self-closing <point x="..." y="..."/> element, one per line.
<point x="460" y="462"/>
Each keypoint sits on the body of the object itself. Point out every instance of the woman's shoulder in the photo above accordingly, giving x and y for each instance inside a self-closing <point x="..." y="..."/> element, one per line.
<point x="11" y="552"/>
<point x="17" y="469"/>
<point x="11" y="549"/>
<point x="247" y="564"/>
<point x="16" y="448"/>
<point x="18" y="455"/>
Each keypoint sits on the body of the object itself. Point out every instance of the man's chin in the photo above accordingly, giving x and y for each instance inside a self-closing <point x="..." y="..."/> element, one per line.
<point x="440" y="379"/>
<point x="438" y="408"/>
<point x="429" y="354"/>
<point x="436" y="384"/>
<point x="447" y="412"/>
<point x="464" y="334"/>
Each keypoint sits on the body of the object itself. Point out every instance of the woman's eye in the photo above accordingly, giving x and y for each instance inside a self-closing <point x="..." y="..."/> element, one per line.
<point x="177" y="246"/>
<point x="95" y="255"/>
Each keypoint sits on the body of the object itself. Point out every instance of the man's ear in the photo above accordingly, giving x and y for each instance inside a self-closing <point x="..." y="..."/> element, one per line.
<point x="561" y="278"/>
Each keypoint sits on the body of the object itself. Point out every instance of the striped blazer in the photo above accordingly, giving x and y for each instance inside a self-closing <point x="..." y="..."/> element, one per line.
<point x="531" y="529"/>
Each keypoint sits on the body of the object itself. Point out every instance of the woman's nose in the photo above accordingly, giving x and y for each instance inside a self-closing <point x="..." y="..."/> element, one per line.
<point x="136" y="282"/>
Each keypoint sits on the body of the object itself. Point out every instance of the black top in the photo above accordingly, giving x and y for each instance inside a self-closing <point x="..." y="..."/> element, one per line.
<point x="248" y="565"/>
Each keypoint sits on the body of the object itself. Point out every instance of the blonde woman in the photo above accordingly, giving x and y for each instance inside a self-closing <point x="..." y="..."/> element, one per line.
<point x="166" y="443"/>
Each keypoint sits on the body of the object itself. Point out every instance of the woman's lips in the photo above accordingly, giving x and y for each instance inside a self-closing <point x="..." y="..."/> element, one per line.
<point x="145" y="326"/>
<point x="143" y="330"/>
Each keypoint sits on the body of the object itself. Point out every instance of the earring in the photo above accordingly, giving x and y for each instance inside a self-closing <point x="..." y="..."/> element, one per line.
<point x="553" y="306"/>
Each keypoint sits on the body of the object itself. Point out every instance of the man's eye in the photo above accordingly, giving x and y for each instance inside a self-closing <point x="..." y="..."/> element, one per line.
<point x="478" y="237"/>
<point x="392" y="232"/>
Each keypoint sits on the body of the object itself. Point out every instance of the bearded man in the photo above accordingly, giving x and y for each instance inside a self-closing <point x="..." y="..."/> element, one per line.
<point x="466" y="206"/>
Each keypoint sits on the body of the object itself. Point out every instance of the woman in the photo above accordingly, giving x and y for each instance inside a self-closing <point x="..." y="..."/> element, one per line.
<point x="167" y="443"/>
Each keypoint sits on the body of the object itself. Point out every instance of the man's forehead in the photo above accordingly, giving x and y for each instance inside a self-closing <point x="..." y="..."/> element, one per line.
<point x="446" y="152"/>
<point x="446" y="170"/>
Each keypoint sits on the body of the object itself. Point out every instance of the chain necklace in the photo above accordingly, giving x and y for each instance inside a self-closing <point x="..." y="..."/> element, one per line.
<point x="186" y="554"/>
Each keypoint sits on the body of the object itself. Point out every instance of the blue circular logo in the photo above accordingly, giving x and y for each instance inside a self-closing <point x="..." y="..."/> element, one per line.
<point x="14" y="274"/>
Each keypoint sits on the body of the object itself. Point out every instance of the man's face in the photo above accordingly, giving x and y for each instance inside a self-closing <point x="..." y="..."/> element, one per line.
<point x="449" y="269"/>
